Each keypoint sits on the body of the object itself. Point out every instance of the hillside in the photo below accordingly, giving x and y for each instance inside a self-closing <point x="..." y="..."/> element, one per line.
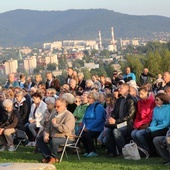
<point x="28" y="27"/>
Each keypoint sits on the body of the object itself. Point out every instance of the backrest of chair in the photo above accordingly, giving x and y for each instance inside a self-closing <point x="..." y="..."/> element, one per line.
<point x="79" y="136"/>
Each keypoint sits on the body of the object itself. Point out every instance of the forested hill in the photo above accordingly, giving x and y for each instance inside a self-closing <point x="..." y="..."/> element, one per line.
<point x="26" y="27"/>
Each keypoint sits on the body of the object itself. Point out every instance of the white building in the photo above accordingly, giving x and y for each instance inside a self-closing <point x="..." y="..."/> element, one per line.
<point x="11" y="66"/>
<point x="30" y="63"/>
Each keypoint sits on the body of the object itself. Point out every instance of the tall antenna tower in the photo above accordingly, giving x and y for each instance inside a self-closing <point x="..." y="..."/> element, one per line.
<point x="100" y="41"/>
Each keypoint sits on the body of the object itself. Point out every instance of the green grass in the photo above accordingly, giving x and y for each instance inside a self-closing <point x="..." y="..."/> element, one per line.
<point x="24" y="154"/>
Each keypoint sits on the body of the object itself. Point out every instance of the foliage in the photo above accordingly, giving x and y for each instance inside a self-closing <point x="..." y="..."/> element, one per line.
<point x="62" y="62"/>
<point x="78" y="63"/>
<point x="51" y="66"/>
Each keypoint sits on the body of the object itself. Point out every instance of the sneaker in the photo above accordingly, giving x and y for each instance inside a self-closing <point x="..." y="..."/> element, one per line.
<point x="31" y="144"/>
<point x="3" y="148"/>
<point x="85" y="154"/>
<point x="92" y="154"/>
<point x="11" y="148"/>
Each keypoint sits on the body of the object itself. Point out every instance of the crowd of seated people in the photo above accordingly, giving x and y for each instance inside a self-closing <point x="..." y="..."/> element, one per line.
<point x="114" y="111"/>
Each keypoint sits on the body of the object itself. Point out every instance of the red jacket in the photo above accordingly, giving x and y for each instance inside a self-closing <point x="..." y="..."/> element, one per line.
<point x="144" y="111"/>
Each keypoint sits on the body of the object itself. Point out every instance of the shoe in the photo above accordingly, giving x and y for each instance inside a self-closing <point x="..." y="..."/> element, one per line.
<point x="53" y="160"/>
<point x="3" y="148"/>
<point x="45" y="160"/>
<point x="111" y="155"/>
<point x="92" y="154"/>
<point x="31" y="144"/>
<point x="11" y="148"/>
<point x="85" y="154"/>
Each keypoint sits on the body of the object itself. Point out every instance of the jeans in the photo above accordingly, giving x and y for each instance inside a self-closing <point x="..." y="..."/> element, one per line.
<point x="139" y="138"/>
<point x="49" y="151"/>
<point x="116" y="137"/>
<point x="164" y="153"/>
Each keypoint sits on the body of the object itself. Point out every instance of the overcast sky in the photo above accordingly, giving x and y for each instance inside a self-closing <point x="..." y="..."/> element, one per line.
<point x="134" y="7"/>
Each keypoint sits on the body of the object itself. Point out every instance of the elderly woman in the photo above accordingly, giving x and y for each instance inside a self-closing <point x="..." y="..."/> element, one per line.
<point x="8" y="127"/>
<point x="21" y="105"/>
<point x="36" y="114"/>
<point x="50" y="101"/>
<point x="70" y="99"/>
<point x="80" y="111"/>
<point x="94" y="119"/>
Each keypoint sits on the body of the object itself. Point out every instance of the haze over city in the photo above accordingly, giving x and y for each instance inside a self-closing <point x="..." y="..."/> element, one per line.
<point x="133" y="7"/>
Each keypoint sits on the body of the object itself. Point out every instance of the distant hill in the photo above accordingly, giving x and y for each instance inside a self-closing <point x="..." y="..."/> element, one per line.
<point x="28" y="27"/>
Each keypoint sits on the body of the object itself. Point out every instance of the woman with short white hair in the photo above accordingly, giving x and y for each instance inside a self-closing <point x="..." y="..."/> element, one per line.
<point x="8" y="127"/>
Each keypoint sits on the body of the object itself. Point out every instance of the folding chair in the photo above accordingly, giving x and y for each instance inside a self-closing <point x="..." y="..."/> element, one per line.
<point x="20" y="136"/>
<point x="72" y="145"/>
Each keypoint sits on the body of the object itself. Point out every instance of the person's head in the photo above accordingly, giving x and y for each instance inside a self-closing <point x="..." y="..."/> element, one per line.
<point x="19" y="95"/>
<point x="108" y="88"/>
<point x="11" y="77"/>
<point x="61" y="105"/>
<point x="102" y="96"/>
<point x="72" y="83"/>
<point x="49" y="76"/>
<point x="50" y="101"/>
<point x="70" y="71"/>
<point x="92" y="97"/>
<point x="8" y="105"/>
<point x="115" y="73"/>
<point x="116" y="93"/>
<point x="102" y="79"/>
<point x="133" y="91"/>
<point x="33" y="90"/>
<point x="89" y="83"/>
<point x="128" y="70"/>
<point x="145" y="71"/>
<point x="49" y="92"/>
<point x="110" y="99"/>
<point x="124" y="89"/>
<point x="78" y="100"/>
<point x="68" y="97"/>
<point x="143" y="92"/>
<point x="9" y="94"/>
<point x="160" y="99"/>
<point x="80" y="76"/>
<point x="166" y="77"/>
<point x="22" y="77"/>
<point x="84" y="97"/>
<point x="167" y="92"/>
<point x="2" y="96"/>
<point x="37" y="97"/>
<point x="38" y="78"/>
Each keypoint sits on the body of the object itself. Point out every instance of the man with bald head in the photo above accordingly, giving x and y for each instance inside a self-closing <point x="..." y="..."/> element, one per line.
<point x="146" y="76"/>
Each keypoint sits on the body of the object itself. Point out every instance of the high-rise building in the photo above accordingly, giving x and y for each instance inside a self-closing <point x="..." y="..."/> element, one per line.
<point x="11" y="66"/>
<point x="30" y="63"/>
<point x="51" y="59"/>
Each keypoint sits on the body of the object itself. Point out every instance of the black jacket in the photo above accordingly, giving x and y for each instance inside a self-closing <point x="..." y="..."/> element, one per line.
<point x="124" y="112"/>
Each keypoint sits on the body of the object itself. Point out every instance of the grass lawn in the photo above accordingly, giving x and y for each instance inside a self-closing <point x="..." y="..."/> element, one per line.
<point x="25" y="154"/>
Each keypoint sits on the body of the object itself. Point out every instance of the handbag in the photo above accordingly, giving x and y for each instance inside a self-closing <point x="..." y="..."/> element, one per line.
<point x="131" y="151"/>
<point x="20" y="134"/>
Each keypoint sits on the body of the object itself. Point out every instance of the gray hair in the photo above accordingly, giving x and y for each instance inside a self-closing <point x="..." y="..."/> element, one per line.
<point x="50" y="100"/>
<point x="7" y="103"/>
<point x="95" y="95"/>
<point x="70" y="99"/>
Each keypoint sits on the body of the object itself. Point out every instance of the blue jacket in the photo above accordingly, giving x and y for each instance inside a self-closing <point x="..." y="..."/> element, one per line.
<point x="94" y="118"/>
<point x="161" y="118"/>
<point x="128" y="77"/>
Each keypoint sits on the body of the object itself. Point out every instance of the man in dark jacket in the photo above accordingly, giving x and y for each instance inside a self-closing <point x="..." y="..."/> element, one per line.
<point x="52" y="82"/>
<point x="121" y="121"/>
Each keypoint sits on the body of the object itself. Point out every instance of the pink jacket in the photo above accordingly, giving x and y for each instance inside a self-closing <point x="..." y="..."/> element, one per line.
<point x="144" y="112"/>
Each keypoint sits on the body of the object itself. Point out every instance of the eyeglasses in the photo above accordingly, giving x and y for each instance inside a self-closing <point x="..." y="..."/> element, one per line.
<point x="90" y="97"/>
